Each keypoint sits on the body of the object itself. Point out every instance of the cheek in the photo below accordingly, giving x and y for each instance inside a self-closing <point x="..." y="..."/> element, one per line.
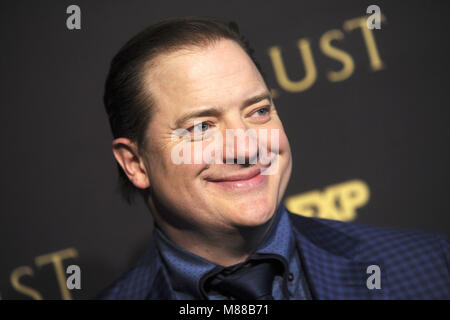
<point x="284" y="155"/>
<point x="175" y="171"/>
<point x="283" y="139"/>
<point x="276" y="141"/>
<point x="284" y="143"/>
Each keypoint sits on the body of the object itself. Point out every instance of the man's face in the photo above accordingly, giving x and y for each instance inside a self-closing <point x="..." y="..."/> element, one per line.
<point x="214" y="86"/>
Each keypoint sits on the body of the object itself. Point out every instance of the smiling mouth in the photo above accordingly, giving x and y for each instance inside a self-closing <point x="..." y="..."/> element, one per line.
<point x="247" y="179"/>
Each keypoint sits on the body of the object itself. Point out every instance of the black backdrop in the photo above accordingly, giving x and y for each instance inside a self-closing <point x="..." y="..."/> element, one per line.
<point x="370" y="146"/>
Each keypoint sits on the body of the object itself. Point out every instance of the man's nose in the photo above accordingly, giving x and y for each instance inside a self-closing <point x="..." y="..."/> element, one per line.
<point x="240" y="143"/>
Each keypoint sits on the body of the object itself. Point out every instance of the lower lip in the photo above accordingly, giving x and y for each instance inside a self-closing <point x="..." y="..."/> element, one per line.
<point x="254" y="182"/>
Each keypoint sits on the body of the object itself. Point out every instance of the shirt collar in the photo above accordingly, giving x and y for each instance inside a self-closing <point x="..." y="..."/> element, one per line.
<point x="185" y="269"/>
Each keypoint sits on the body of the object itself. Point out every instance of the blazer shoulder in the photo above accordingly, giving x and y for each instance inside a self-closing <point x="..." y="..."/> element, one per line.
<point x="415" y="262"/>
<point x="115" y="290"/>
<point x="374" y="235"/>
<point x="136" y="283"/>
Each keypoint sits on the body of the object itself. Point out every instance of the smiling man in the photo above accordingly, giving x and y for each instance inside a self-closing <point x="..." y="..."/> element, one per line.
<point x="187" y="87"/>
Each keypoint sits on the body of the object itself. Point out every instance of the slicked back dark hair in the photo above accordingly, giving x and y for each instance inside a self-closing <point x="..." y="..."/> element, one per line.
<point x="128" y="105"/>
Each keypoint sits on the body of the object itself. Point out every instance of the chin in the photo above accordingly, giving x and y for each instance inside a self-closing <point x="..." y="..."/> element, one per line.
<point x="253" y="214"/>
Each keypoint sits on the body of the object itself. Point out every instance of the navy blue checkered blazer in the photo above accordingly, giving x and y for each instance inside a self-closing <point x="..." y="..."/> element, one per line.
<point x="335" y="256"/>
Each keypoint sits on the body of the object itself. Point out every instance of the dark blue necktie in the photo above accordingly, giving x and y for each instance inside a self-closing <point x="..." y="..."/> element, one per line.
<point x="248" y="280"/>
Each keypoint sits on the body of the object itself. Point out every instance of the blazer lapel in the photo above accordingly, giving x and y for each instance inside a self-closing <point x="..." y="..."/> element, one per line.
<point x="330" y="261"/>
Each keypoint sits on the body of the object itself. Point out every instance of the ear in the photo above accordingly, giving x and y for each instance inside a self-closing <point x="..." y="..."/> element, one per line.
<point x="126" y="153"/>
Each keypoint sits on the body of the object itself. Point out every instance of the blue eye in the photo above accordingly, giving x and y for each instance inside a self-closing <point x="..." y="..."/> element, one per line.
<point x="262" y="112"/>
<point x="202" y="126"/>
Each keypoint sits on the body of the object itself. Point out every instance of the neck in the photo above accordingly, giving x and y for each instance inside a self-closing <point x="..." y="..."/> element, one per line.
<point x="222" y="247"/>
<point x="219" y="245"/>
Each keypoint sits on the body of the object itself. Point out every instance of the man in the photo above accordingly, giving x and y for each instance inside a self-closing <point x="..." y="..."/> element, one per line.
<point x="172" y="95"/>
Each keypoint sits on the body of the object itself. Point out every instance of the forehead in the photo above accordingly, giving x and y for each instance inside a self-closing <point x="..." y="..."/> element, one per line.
<point x="221" y="73"/>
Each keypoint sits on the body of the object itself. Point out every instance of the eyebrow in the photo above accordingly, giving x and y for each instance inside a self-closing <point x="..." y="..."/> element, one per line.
<point x="215" y="112"/>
